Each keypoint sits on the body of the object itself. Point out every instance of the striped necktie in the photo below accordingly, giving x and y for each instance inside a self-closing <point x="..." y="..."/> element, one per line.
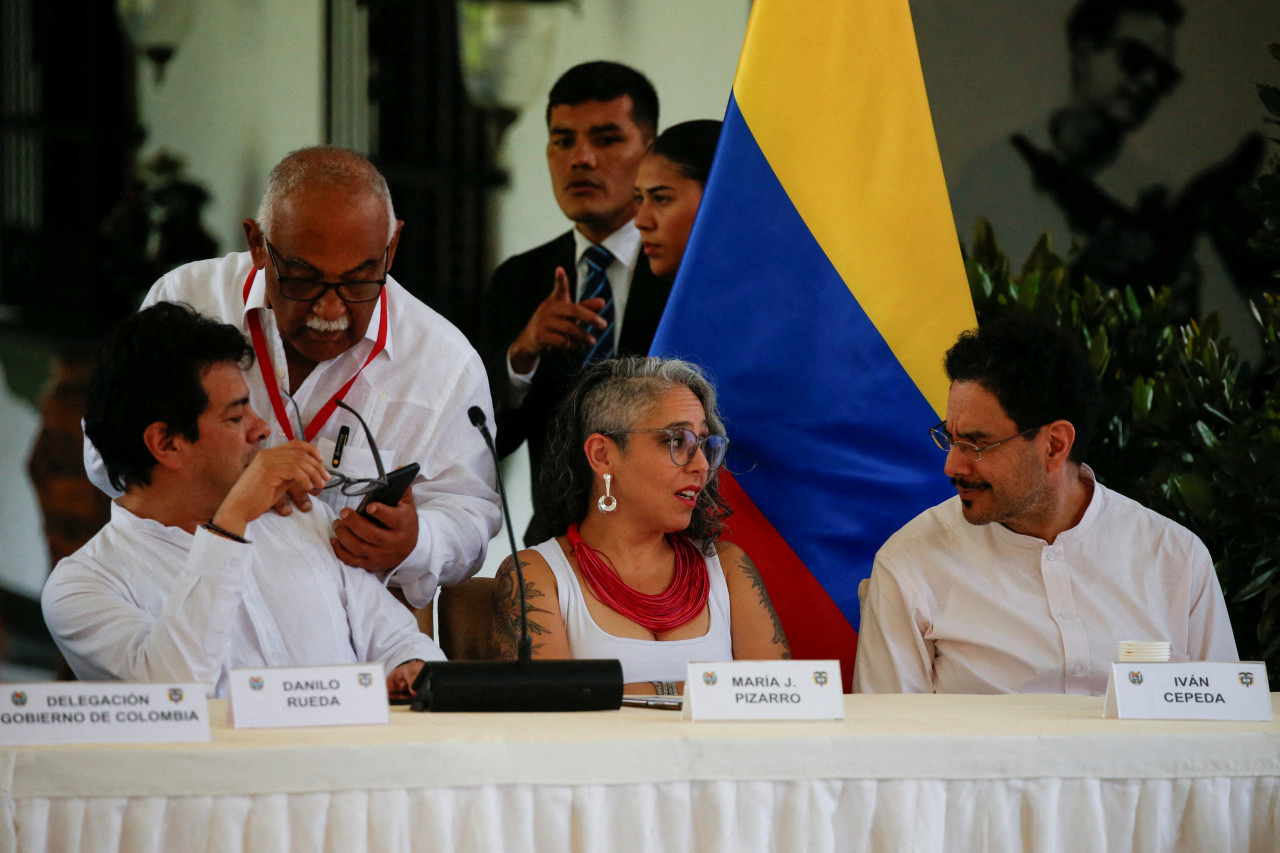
<point x="597" y="286"/>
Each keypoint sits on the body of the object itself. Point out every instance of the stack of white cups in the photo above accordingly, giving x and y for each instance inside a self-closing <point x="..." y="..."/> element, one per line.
<point x="1142" y="651"/>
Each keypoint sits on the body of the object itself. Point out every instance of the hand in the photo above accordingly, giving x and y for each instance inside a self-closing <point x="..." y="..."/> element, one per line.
<point x="400" y="680"/>
<point x="380" y="545"/>
<point x="295" y="495"/>
<point x="556" y="324"/>
<point x="274" y="475"/>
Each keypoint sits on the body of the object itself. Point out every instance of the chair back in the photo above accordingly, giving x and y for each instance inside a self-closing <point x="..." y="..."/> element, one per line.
<point x="466" y="619"/>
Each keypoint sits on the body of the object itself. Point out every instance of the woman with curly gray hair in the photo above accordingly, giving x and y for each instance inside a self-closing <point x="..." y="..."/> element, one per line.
<point x="628" y="503"/>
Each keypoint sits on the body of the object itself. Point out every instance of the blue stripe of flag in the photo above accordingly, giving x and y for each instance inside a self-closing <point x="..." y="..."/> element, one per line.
<point x="829" y="433"/>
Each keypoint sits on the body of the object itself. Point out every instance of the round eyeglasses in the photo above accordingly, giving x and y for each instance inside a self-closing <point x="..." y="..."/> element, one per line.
<point x="968" y="449"/>
<point x="311" y="289"/>
<point x="683" y="444"/>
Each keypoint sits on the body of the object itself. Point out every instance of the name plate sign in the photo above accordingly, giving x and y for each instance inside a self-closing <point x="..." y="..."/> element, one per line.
<point x="281" y="697"/>
<point x="103" y="712"/>
<point x="1199" y="690"/>
<point x="764" y="690"/>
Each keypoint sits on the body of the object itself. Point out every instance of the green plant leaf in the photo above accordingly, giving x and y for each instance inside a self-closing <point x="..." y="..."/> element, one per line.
<point x="1259" y="583"/>
<point x="1143" y="394"/>
<point x="1195" y="490"/>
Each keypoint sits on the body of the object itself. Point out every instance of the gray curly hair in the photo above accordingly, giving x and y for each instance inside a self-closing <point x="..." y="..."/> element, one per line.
<point x="611" y="396"/>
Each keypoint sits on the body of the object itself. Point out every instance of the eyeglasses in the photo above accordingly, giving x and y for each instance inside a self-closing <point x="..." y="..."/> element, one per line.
<point x="311" y="289"/>
<point x="968" y="449"/>
<point x="350" y="486"/>
<point x="683" y="444"/>
<point x="354" y="486"/>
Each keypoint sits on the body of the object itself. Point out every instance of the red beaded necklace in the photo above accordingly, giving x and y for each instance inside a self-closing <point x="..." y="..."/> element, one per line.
<point x="678" y="604"/>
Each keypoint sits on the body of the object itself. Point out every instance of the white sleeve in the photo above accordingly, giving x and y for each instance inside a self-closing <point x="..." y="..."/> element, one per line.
<point x="519" y="384"/>
<point x="893" y="656"/>
<point x="1209" y="635"/>
<point x="383" y="629"/>
<point x="104" y="635"/>
<point x="95" y="469"/>
<point x="457" y="498"/>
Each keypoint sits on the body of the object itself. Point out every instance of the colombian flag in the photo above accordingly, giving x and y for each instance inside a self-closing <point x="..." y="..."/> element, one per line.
<point x="821" y="286"/>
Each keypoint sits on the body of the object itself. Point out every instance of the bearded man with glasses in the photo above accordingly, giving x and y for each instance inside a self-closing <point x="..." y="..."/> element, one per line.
<point x="1026" y="580"/>
<point x="334" y="334"/>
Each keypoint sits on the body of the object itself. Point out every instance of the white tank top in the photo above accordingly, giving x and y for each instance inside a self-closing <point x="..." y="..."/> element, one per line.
<point x="642" y="660"/>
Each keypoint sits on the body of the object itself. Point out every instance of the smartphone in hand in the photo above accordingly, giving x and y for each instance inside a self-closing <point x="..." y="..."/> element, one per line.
<point x="398" y="481"/>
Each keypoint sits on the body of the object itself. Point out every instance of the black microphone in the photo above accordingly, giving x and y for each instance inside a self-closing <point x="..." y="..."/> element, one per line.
<point x="524" y="647"/>
<point x="525" y="684"/>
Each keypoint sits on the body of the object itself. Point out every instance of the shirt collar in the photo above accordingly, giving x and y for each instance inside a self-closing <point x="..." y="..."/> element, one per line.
<point x="623" y="244"/>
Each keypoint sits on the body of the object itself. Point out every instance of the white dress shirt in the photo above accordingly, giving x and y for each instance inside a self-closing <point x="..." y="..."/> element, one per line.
<point x="954" y="607"/>
<point x="624" y="245"/>
<point x="414" y="395"/>
<point x="142" y="601"/>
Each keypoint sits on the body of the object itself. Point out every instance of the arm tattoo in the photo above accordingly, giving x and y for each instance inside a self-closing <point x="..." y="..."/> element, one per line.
<point x="779" y="636"/>
<point x="506" y="611"/>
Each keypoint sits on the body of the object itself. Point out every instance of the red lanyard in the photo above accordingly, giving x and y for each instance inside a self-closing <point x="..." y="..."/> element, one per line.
<point x="263" y="353"/>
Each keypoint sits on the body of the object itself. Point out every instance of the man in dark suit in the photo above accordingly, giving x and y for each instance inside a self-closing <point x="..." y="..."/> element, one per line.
<point x="564" y="304"/>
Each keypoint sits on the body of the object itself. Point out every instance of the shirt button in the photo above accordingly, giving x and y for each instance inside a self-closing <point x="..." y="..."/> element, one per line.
<point x="382" y="394"/>
<point x="1076" y="669"/>
<point x="1051" y="557"/>
<point x="280" y="433"/>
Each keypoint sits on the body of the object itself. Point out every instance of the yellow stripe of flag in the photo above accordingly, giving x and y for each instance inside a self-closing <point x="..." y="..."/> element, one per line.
<point x="833" y="93"/>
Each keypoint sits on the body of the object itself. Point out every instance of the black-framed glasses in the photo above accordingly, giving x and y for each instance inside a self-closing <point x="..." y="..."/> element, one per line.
<point x="311" y="289"/>
<point x="968" y="449"/>
<point x="355" y="486"/>
<point x="683" y="444"/>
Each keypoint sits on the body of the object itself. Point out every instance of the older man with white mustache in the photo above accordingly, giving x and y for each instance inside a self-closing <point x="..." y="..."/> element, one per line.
<point x="328" y="324"/>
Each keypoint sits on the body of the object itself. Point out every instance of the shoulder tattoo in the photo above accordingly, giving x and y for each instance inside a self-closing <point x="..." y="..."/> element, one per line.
<point x="779" y="636"/>
<point x="506" y="615"/>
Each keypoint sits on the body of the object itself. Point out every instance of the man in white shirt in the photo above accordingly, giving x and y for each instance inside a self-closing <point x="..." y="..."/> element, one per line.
<point x="547" y="314"/>
<point x="195" y="574"/>
<point x="1026" y="581"/>
<point x="327" y="322"/>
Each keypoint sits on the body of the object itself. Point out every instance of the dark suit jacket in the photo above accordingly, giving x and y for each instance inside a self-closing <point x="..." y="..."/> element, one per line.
<point x="518" y="285"/>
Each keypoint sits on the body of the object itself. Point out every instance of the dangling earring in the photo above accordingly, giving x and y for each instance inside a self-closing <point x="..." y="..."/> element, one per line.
<point x="607" y="502"/>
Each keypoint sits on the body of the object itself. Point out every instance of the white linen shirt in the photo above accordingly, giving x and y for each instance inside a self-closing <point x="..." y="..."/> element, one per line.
<point x="954" y="607"/>
<point x="414" y="395"/>
<point x="142" y="601"/>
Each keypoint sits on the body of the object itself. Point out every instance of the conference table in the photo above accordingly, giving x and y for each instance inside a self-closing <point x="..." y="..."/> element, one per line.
<point x="919" y="773"/>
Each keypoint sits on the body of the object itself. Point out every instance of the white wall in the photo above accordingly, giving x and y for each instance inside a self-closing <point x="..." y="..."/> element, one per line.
<point x="688" y="48"/>
<point x="995" y="68"/>
<point x="245" y="88"/>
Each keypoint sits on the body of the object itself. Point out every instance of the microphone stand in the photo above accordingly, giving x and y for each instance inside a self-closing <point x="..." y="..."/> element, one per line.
<point x="523" y="684"/>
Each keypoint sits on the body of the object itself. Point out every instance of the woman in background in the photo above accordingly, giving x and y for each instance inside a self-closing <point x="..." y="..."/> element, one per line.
<point x="634" y="570"/>
<point x="669" y="188"/>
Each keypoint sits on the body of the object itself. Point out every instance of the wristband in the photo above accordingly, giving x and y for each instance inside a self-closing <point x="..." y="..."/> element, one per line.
<point x="224" y="533"/>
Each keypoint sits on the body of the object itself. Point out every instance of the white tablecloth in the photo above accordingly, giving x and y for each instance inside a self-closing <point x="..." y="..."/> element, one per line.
<point x="916" y="773"/>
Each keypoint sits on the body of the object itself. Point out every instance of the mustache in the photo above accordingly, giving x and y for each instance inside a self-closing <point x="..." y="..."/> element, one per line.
<point x="962" y="483"/>
<point x="319" y="324"/>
